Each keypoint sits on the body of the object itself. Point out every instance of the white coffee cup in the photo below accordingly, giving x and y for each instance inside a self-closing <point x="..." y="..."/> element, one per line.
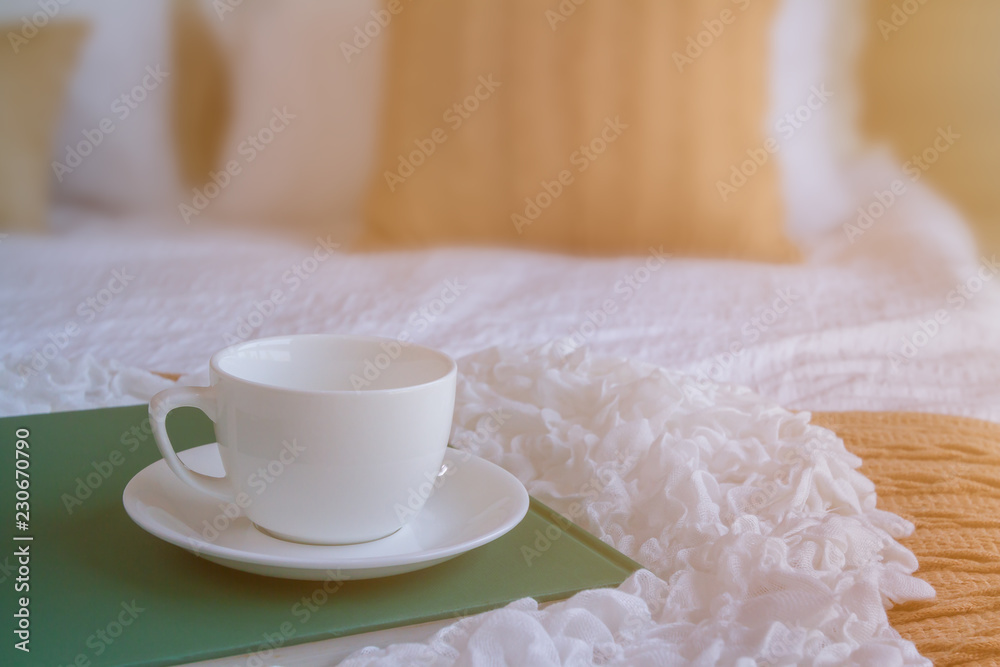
<point x="325" y="439"/>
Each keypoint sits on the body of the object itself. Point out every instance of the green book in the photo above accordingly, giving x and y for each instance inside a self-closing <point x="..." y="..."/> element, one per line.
<point x="85" y="586"/>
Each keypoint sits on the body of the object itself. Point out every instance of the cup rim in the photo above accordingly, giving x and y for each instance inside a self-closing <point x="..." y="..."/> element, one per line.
<point x="229" y="349"/>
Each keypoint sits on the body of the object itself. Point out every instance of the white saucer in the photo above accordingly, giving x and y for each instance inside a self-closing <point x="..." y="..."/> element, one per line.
<point x="474" y="504"/>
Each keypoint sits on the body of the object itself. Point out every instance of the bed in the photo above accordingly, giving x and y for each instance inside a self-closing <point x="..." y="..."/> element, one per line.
<point x="98" y="318"/>
<point x="840" y="343"/>
<point x="883" y="338"/>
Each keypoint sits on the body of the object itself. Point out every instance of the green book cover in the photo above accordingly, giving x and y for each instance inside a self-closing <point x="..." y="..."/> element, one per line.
<point x="85" y="586"/>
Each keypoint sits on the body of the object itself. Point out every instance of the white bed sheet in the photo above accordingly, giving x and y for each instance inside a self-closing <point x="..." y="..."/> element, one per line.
<point x="850" y="305"/>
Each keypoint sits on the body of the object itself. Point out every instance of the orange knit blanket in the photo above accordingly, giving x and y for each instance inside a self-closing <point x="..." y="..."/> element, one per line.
<point x="943" y="474"/>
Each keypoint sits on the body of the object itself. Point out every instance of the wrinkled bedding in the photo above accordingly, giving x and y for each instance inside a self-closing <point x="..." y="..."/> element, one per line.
<point x="899" y="319"/>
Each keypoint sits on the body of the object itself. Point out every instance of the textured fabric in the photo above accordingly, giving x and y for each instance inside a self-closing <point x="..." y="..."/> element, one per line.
<point x="34" y="74"/>
<point x="762" y="540"/>
<point x="837" y="346"/>
<point x="606" y="130"/>
<point x="937" y="471"/>
<point x="943" y="474"/>
<point x="117" y="116"/>
<point x="76" y="384"/>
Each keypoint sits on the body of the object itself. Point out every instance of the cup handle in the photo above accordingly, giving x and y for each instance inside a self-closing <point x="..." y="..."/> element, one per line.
<point x="160" y="406"/>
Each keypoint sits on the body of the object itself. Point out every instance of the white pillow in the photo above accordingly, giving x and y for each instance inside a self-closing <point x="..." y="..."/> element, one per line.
<point x="124" y="83"/>
<point x="815" y="45"/>
<point x="132" y="168"/>
<point x="287" y="58"/>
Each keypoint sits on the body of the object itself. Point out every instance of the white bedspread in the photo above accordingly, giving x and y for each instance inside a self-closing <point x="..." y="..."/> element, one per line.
<point x="846" y="310"/>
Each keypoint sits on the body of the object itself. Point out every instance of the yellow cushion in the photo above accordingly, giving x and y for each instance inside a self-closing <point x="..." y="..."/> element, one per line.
<point x="600" y="127"/>
<point x="34" y="73"/>
<point x="200" y="106"/>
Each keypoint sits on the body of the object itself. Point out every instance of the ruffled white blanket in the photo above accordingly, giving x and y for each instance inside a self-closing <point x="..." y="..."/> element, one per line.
<point x="82" y="383"/>
<point x="762" y="541"/>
